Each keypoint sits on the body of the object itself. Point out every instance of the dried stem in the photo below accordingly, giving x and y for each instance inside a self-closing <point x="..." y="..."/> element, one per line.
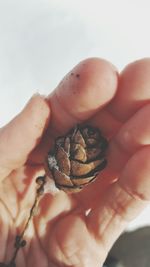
<point x="19" y="241"/>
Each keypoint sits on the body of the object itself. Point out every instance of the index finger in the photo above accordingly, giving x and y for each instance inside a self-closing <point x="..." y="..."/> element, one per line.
<point x="82" y="92"/>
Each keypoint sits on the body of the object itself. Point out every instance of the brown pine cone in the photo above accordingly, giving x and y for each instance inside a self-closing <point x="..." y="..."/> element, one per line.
<point x="77" y="158"/>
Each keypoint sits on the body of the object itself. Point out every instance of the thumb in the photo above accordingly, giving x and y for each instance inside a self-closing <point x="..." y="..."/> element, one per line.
<point x="22" y="134"/>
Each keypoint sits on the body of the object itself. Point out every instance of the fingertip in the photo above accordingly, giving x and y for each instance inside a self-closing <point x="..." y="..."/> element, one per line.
<point x="133" y="90"/>
<point x="102" y="76"/>
<point x="93" y="80"/>
<point x="38" y="109"/>
<point x="138" y="64"/>
<point x="84" y="90"/>
<point x="136" y="75"/>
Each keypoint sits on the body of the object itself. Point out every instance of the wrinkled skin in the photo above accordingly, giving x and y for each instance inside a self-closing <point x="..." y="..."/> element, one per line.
<point x="79" y="229"/>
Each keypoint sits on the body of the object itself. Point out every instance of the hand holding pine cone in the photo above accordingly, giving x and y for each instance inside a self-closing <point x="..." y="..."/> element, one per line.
<point x="77" y="158"/>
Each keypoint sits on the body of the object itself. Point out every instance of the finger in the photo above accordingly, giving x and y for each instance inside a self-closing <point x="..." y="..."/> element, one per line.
<point x="82" y="92"/>
<point x="132" y="136"/>
<point x="133" y="91"/>
<point x="124" y="200"/>
<point x="21" y="135"/>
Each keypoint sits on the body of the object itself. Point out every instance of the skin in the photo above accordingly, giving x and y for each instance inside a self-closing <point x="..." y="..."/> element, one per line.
<point x="78" y="230"/>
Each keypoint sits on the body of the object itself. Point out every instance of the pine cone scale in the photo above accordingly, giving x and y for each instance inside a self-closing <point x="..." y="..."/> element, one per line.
<point x="63" y="161"/>
<point x="79" y="152"/>
<point x="80" y="169"/>
<point x="78" y="138"/>
<point x="93" y="153"/>
<point x="61" y="178"/>
<point x="67" y="145"/>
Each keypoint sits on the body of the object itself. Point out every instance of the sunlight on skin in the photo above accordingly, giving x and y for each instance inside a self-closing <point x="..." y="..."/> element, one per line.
<point x="62" y="234"/>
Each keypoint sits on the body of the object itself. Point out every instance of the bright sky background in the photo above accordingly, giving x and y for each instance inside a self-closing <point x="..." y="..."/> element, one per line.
<point x="41" y="40"/>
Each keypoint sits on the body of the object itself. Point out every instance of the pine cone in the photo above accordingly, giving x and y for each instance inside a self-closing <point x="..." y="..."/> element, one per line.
<point x="77" y="158"/>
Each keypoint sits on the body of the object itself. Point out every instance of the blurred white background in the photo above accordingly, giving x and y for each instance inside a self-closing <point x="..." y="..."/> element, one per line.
<point x="41" y="40"/>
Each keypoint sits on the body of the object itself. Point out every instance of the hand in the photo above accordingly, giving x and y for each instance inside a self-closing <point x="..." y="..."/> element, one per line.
<point x="78" y="230"/>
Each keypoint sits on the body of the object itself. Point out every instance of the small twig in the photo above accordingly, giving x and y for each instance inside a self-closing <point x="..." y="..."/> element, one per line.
<point x="19" y="240"/>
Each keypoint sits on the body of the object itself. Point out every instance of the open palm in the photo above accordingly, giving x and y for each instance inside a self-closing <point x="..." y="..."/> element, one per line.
<point x="79" y="229"/>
